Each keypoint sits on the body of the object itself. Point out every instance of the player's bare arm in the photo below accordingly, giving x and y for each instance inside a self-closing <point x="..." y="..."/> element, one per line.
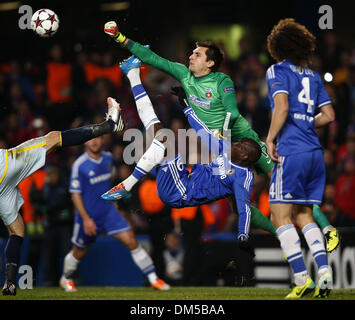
<point x="278" y="120"/>
<point x="325" y="116"/>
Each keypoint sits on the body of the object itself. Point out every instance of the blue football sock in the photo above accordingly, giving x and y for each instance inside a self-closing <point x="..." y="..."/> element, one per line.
<point x="80" y="135"/>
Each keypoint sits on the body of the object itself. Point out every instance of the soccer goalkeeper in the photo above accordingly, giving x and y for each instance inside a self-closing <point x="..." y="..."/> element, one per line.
<point x="211" y="95"/>
<point x="176" y="186"/>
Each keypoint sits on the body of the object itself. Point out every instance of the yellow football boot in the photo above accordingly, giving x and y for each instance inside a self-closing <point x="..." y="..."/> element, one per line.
<point x="332" y="239"/>
<point x="298" y="292"/>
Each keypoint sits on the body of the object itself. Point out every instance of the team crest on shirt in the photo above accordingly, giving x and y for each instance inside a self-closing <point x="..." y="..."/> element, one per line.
<point x="230" y="172"/>
<point x="208" y="93"/>
<point x="75" y="183"/>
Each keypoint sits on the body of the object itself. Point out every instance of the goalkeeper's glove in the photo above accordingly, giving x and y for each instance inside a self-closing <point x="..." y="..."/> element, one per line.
<point x="111" y="29"/>
<point x="180" y="93"/>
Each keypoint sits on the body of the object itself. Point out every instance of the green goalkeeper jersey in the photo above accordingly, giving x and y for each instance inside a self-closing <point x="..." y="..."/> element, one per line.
<point x="212" y="97"/>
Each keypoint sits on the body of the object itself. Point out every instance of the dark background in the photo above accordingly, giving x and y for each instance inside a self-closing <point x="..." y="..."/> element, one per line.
<point x="155" y="21"/>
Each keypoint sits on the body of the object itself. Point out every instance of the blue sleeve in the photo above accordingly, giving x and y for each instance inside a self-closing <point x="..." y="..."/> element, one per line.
<point x="322" y="97"/>
<point x="277" y="81"/>
<point x="215" y="145"/>
<point x="242" y="191"/>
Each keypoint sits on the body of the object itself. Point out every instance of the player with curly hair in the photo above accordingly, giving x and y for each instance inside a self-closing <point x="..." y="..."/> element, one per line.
<point x="300" y="104"/>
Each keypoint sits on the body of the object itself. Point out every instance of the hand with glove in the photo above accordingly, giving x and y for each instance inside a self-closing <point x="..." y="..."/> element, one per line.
<point x="111" y="29"/>
<point x="245" y="246"/>
<point x="180" y="93"/>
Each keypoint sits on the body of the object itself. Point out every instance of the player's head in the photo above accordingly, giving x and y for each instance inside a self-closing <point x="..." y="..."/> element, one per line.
<point x="292" y="41"/>
<point x="206" y="58"/>
<point x="245" y="152"/>
<point x="94" y="146"/>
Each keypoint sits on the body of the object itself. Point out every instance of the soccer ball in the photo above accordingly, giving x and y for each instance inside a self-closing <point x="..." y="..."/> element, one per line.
<point x="45" y="22"/>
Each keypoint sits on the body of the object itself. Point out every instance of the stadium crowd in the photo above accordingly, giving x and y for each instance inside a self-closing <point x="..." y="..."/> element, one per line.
<point x="63" y="93"/>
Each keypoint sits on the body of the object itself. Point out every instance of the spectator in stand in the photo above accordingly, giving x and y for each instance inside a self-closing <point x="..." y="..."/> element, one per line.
<point x="13" y="132"/>
<point x="351" y="84"/>
<point x="190" y="222"/>
<point x="81" y="88"/>
<point x="59" y="89"/>
<point x="222" y="219"/>
<point x="159" y="221"/>
<point x="32" y="216"/>
<point x="58" y="222"/>
<point x="345" y="191"/>
<point x="330" y="166"/>
<point x="331" y="212"/>
<point x="17" y="75"/>
<point x="260" y="194"/>
<point x="329" y="50"/>
<point x="173" y="259"/>
<point x="117" y="154"/>
<point x="103" y="66"/>
<point x="257" y="116"/>
<point x="96" y="101"/>
<point x="348" y="147"/>
<point x="342" y="72"/>
<point x="329" y="193"/>
<point x="4" y="94"/>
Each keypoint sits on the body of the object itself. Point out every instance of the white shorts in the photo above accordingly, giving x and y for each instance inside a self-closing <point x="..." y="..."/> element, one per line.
<point x="15" y="165"/>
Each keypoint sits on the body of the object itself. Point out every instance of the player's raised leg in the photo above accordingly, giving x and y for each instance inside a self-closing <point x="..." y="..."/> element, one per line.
<point x="155" y="153"/>
<point x="77" y="136"/>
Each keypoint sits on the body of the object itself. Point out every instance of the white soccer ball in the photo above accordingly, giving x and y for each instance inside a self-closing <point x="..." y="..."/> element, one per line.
<point x="45" y="22"/>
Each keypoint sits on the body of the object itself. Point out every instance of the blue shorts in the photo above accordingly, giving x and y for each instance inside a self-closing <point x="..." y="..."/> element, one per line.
<point x="298" y="179"/>
<point x="172" y="182"/>
<point x="110" y="222"/>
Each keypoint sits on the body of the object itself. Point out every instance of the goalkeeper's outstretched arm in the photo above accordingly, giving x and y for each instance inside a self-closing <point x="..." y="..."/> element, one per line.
<point x="176" y="70"/>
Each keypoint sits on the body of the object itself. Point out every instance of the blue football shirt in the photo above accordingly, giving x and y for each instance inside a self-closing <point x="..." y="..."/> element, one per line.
<point x="219" y="179"/>
<point x="92" y="178"/>
<point x="306" y="94"/>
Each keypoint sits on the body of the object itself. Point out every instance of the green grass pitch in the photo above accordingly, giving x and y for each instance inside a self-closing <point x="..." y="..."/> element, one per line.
<point x="176" y="293"/>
